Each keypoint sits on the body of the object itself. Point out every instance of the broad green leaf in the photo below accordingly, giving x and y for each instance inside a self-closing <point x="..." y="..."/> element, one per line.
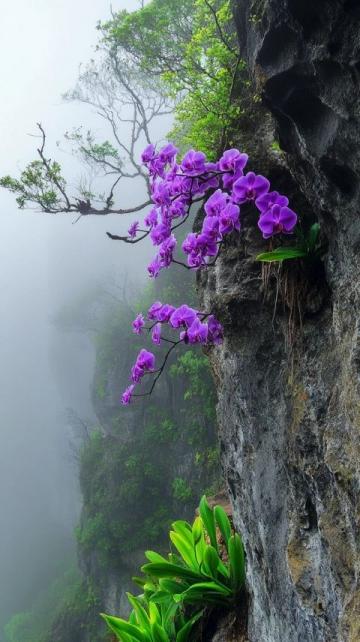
<point x="154" y="613"/>
<point x="237" y="561"/>
<point x="170" y="570"/>
<point x="185" y="549"/>
<point x="282" y="254"/>
<point x="154" y="557"/>
<point x="205" y="593"/>
<point x="168" y="612"/>
<point x="171" y="586"/>
<point x="223" y="523"/>
<point x="119" y="627"/>
<point x="141" y="615"/>
<point x="197" y="530"/>
<point x="211" y="561"/>
<point x="158" y="633"/>
<point x="183" y="634"/>
<point x="207" y="517"/>
<point x="159" y="597"/>
<point x="181" y="526"/>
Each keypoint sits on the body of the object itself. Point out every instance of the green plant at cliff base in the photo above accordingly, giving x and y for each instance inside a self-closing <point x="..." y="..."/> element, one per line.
<point x="207" y="571"/>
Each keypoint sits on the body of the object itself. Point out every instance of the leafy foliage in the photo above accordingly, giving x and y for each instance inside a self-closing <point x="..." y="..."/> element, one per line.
<point x="37" y="184"/>
<point x="307" y="248"/>
<point x="208" y="571"/>
<point x="204" y="578"/>
<point x="192" y="47"/>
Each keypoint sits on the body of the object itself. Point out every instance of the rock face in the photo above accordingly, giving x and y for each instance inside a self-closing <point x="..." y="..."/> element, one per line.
<point x="288" y="373"/>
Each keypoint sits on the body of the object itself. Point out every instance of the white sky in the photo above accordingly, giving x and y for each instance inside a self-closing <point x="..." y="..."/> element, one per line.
<point x="44" y="261"/>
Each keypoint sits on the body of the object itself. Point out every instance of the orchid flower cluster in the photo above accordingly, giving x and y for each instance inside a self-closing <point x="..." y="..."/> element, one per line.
<point x="193" y="327"/>
<point x="175" y="187"/>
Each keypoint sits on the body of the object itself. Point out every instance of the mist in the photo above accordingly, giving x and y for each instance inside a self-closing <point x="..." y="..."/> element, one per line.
<point x="46" y="262"/>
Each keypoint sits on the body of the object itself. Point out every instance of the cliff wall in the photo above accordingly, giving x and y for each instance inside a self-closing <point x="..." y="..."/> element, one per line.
<point x="288" y="373"/>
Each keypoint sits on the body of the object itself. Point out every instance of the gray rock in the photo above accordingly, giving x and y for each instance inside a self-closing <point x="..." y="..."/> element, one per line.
<point x="288" y="373"/>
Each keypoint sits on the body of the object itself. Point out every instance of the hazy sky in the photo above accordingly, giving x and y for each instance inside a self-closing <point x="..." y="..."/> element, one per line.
<point x="44" y="262"/>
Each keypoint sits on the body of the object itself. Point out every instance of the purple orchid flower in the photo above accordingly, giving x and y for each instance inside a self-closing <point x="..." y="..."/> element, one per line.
<point x="161" y="194"/>
<point x="232" y="160"/>
<point x="133" y="229"/>
<point x="266" y="201"/>
<point x="229" y="219"/>
<point x="156" y="168"/>
<point x="153" y="311"/>
<point x="198" y="247"/>
<point x="183" y="316"/>
<point x="168" y="153"/>
<point x="216" y="203"/>
<point x="193" y="163"/>
<point x="190" y="243"/>
<point x="216" y="332"/>
<point x="151" y="218"/>
<point x="210" y="227"/>
<point x="159" y="233"/>
<point x="154" y="267"/>
<point x="177" y="208"/>
<point x="145" y="362"/>
<point x="276" y="220"/>
<point x="249" y="187"/>
<point x="138" y="324"/>
<point x="204" y="186"/>
<point x="197" y="332"/>
<point x="165" y="312"/>
<point x="166" y="251"/>
<point x="127" y="394"/>
<point x="156" y="334"/>
<point x="148" y="154"/>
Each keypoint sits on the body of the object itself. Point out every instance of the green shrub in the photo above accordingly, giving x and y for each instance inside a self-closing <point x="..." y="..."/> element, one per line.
<point x="204" y="573"/>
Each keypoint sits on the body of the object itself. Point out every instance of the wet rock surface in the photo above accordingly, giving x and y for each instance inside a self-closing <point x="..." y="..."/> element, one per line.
<point x="288" y="373"/>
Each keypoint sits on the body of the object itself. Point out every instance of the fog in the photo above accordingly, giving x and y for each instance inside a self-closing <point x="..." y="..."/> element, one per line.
<point x="45" y="262"/>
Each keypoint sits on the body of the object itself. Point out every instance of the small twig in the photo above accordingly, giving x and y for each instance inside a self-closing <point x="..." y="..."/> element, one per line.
<point x="218" y="26"/>
<point x="126" y="239"/>
<point x="160" y="370"/>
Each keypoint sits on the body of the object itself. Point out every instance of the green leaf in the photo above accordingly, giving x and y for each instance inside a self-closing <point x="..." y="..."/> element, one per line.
<point x="119" y="627"/>
<point x="205" y="593"/>
<point x="237" y="561"/>
<point x="158" y="633"/>
<point x="211" y="561"/>
<point x="282" y="254"/>
<point x="170" y="570"/>
<point x="171" y="586"/>
<point x="207" y="517"/>
<point x="185" y="549"/>
<point x="181" y="526"/>
<point x="159" y="597"/>
<point x="223" y="523"/>
<point x="183" y="634"/>
<point x="141" y="615"/>
<point x="154" y="613"/>
<point x="154" y="557"/>
<point x="197" y="530"/>
<point x="313" y="237"/>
